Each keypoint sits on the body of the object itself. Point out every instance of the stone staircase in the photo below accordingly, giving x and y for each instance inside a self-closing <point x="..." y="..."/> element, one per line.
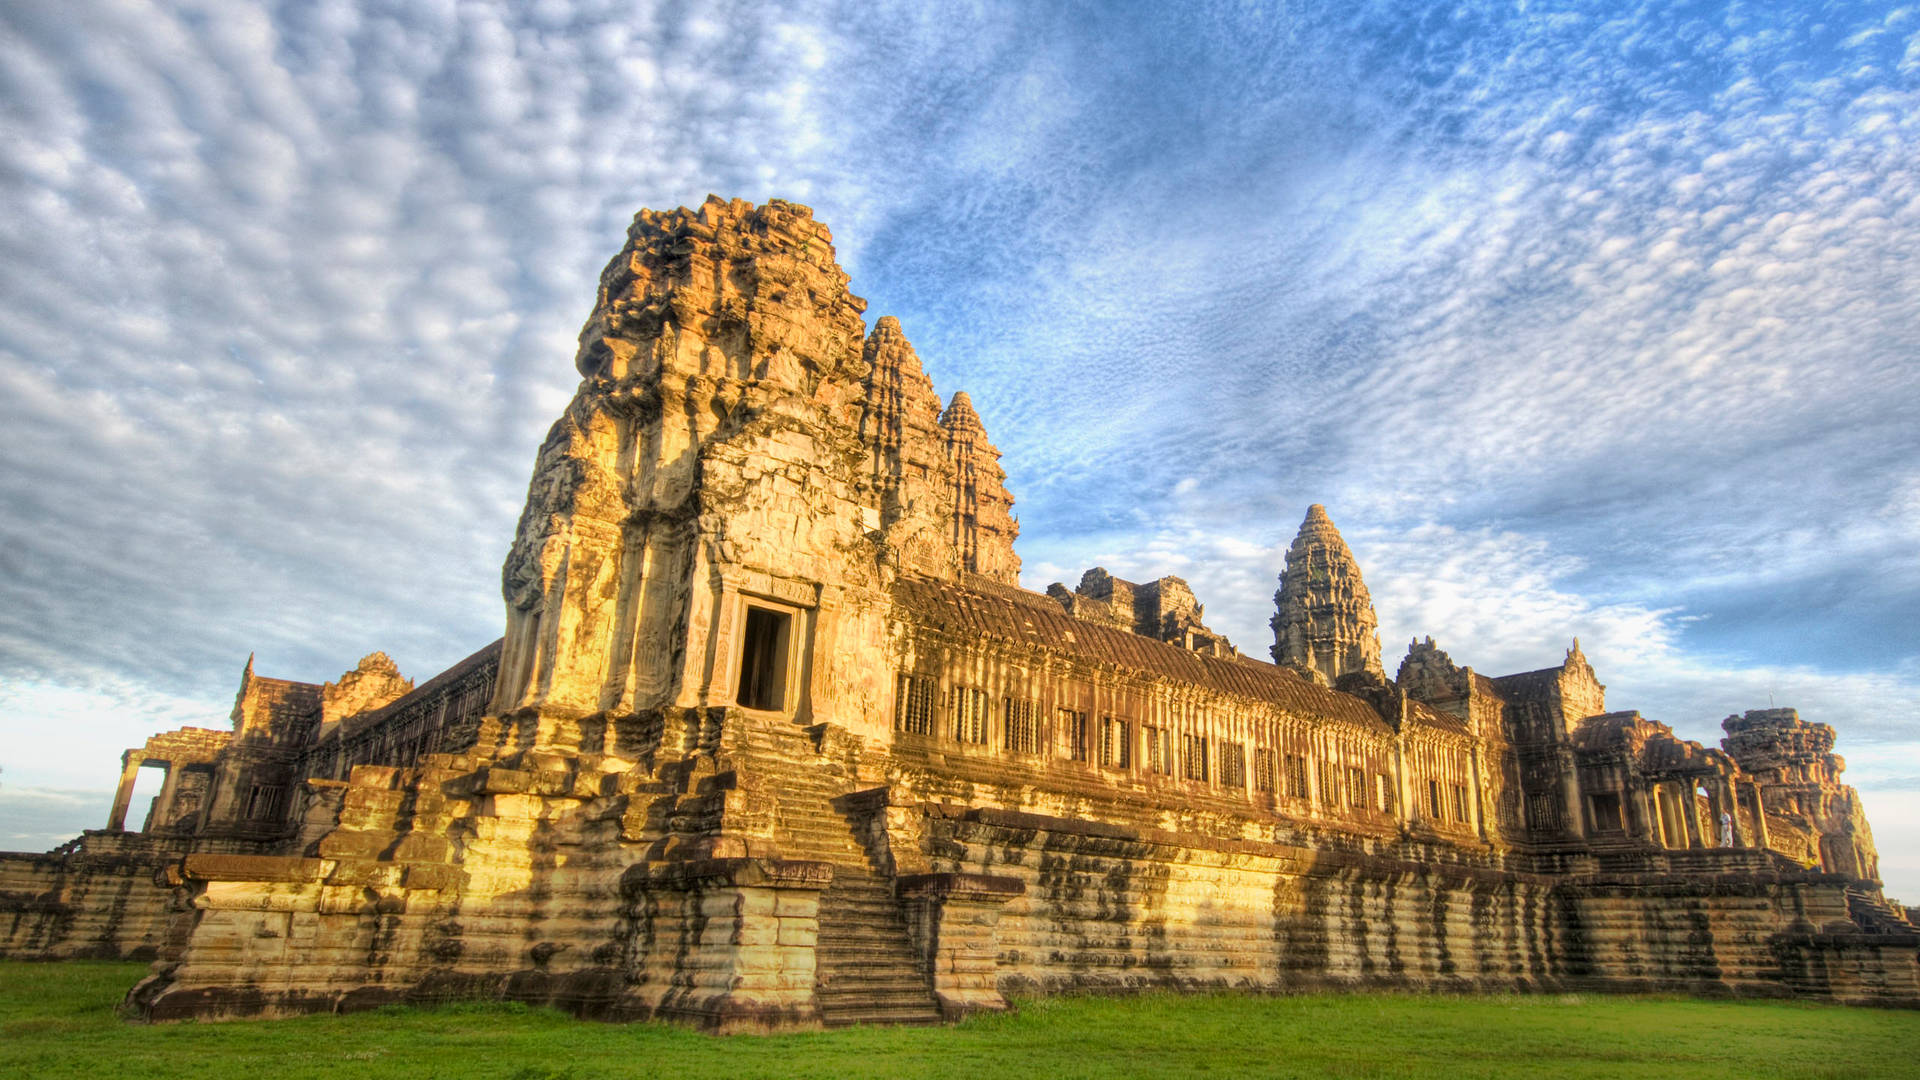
<point x="867" y="971"/>
<point x="1874" y="915"/>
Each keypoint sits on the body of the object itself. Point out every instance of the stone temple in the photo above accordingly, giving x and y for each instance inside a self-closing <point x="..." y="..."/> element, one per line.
<point x="775" y="739"/>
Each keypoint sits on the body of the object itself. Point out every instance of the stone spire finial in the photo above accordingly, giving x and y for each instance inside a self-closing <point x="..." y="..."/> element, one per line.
<point x="1324" y="618"/>
<point x="960" y="413"/>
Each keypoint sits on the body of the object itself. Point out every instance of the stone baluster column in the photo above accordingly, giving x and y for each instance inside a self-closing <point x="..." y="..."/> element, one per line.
<point x="130" y="763"/>
<point x="954" y="919"/>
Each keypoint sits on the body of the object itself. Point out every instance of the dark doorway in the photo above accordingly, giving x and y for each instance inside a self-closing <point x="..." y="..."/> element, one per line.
<point x="763" y="659"/>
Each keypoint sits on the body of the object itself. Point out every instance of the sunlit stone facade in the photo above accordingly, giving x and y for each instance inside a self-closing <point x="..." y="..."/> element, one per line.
<point x="774" y="738"/>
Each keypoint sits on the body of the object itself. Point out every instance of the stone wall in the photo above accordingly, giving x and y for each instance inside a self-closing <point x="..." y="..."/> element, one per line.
<point x="95" y="897"/>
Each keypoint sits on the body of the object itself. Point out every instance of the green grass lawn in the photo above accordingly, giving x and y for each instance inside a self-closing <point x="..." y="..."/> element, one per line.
<point x="58" y="1020"/>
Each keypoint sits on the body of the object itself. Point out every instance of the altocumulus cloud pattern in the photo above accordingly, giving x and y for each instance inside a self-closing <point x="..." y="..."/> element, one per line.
<point x="1582" y="318"/>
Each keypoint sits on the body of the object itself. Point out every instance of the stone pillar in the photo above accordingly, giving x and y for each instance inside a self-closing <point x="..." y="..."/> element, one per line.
<point x="1690" y="813"/>
<point x="733" y="941"/>
<point x="1724" y="803"/>
<point x="954" y="920"/>
<point x="1662" y="814"/>
<point x="129" y="774"/>
<point x="1575" y="808"/>
<point x="1760" y="837"/>
<point x="1479" y="792"/>
<point x="1644" y="822"/>
<point x="1402" y="787"/>
<point x="163" y="804"/>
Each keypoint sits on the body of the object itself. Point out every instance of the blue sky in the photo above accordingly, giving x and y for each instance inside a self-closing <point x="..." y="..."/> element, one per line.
<point x="1582" y="319"/>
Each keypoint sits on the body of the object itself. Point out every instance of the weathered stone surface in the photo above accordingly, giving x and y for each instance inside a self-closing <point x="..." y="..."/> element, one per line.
<point x="774" y="739"/>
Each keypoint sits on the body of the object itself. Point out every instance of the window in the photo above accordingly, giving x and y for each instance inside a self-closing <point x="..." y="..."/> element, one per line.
<point x="1074" y="722"/>
<point x="1606" y="812"/>
<point x="1460" y="802"/>
<point x="1159" y="750"/>
<point x="970" y="715"/>
<point x="913" y="705"/>
<point x="1359" y="792"/>
<point x="1386" y="793"/>
<point x="763" y="659"/>
<point x="1233" y="766"/>
<point x="1193" y="757"/>
<point x="263" y="802"/>
<point x="1540" y="812"/>
<point x="1433" y="800"/>
<point x="1022" y="727"/>
<point x="1296" y="776"/>
<point x="1263" y="771"/>
<point x="1329" y="784"/>
<point x="1116" y="743"/>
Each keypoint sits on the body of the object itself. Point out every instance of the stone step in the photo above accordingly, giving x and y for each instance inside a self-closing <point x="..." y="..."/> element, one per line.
<point x="865" y="978"/>
<point x="864" y="935"/>
<point x="876" y="1017"/>
<point x="841" y="958"/>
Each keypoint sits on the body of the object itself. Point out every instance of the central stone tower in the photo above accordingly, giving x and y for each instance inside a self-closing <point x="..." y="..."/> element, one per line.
<point x="1324" y="622"/>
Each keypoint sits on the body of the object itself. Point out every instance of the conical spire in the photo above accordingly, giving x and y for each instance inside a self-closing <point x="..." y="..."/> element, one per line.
<point x="907" y="460"/>
<point x="983" y="524"/>
<point x="1324" y="617"/>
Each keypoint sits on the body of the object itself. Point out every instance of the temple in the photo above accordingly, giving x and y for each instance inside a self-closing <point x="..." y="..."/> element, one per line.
<point x="774" y="738"/>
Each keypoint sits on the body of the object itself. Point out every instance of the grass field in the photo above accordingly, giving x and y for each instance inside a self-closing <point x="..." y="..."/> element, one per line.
<point x="58" y="1021"/>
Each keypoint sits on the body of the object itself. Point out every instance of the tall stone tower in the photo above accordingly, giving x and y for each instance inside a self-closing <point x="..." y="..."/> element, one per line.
<point x="1324" y="620"/>
<point x="704" y="497"/>
<point x="984" y="528"/>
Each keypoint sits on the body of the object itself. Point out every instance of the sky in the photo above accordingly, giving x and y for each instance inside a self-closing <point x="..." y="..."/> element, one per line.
<point x="1582" y="319"/>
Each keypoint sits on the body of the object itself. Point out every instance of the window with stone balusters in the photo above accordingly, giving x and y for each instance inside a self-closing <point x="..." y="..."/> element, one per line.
<point x="1264" y="774"/>
<point x="1233" y="765"/>
<point x="970" y="715"/>
<point x="1021" y="726"/>
<point x="1116" y="743"/>
<point x="1193" y="756"/>
<point x="1297" y="776"/>
<point x="1079" y="740"/>
<point x="913" y="705"/>
<point x="1159" y="750"/>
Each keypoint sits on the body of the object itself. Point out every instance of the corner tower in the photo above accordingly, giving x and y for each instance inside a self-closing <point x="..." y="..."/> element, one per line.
<point x="704" y="497"/>
<point x="1324" y="620"/>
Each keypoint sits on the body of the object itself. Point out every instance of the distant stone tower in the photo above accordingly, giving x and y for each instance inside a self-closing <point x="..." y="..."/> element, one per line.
<point x="984" y="528"/>
<point x="1325" y="621"/>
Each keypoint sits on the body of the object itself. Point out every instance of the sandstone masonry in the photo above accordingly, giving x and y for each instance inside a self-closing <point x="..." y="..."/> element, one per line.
<point x="774" y="739"/>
